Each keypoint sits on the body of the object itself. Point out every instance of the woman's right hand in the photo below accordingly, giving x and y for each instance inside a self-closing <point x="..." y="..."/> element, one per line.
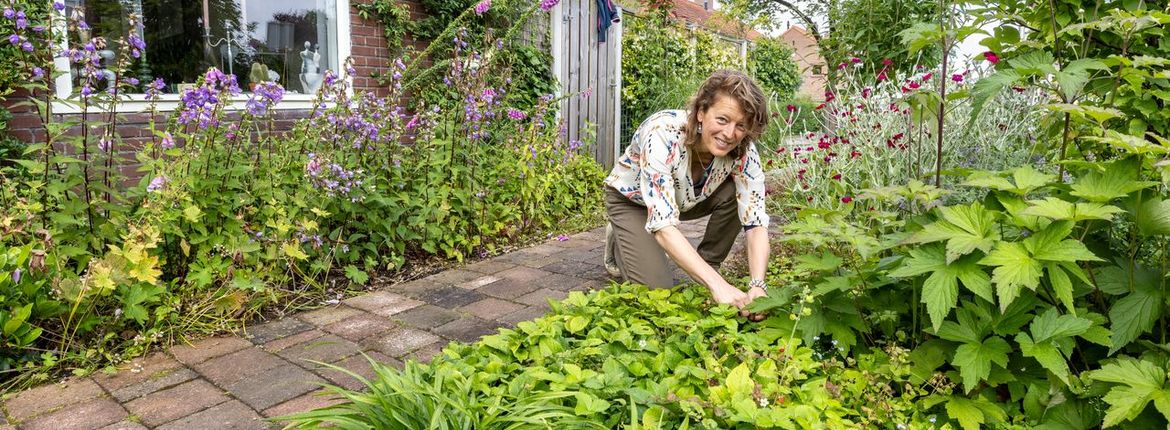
<point x="726" y="294"/>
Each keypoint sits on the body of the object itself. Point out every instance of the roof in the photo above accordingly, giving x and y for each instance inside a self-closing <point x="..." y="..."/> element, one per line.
<point x="693" y="13"/>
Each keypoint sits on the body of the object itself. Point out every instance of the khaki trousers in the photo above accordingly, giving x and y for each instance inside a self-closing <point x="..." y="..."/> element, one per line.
<point x="643" y="261"/>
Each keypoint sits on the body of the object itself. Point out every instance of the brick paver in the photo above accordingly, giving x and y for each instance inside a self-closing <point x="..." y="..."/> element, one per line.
<point x="46" y="398"/>
<point x="94" y="413"/>
<point x="268" y="370"/>
<point x="176" y="402"/>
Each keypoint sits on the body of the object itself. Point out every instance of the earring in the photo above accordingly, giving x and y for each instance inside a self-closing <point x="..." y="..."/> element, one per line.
<point x="699" y="128"/>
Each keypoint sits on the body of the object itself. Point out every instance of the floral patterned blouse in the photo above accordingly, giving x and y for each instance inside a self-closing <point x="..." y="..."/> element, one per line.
<point x="654" y="172"/>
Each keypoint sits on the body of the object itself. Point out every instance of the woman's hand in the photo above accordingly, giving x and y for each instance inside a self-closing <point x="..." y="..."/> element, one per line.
<point x="752" y="294"/>
<point x="726" y="294"/>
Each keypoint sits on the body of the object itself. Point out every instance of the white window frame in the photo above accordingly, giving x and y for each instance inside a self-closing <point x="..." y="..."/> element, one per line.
<point x="137" y="102"/>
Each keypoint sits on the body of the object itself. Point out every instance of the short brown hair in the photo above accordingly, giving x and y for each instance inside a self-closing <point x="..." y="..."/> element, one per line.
<point x="741" y="88"/>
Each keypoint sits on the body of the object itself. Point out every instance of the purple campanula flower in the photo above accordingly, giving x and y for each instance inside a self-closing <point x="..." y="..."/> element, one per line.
<point x="168" y="141"/>
<point x="132" y="81"/>
<point x="516" y="114"/>
<point x="59" y="6"/>
<point x="38" y="29"/>
<point x="21" y="23"/>
<point x="16" y="276"/>
<point x="38" y="73"/>
<point x="86" y="91"/>
<point x="156" y="184"/>
<point x="83" y="25"/>
<point x="483" y="7"/>
<point x="562" y="237"/>
<point x="27" y="46"/>
<point x="547" y="5"/>
<point x="105" y="144"/>
<point x="15" y="39"/>
<point x="9" y="13"/>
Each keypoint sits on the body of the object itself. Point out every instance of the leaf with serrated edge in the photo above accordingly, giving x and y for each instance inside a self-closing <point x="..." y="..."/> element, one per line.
<point x="1133" y="315"/>
<point x="1049" y="357"/>
<point x="1061" y="285"/>
<point x="1015" y="269"/>
<point x="1051" y="325"/>
<point x="974" y="359"/>
<point x="965" y="412"/>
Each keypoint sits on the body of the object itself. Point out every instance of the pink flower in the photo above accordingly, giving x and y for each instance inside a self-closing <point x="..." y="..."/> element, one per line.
<point x="562" y="237"/>
<point x="865" y="92"/>
<point x="882" y="76"/>
<point x="927" y="77"/>
<point x="957" y="77"/>
<point x="991" y="57"/>
<point x="792" y="108"/>
<point x="847" y="199"/>
<point x="483" y="7"/>
<point x="855" y="60"/>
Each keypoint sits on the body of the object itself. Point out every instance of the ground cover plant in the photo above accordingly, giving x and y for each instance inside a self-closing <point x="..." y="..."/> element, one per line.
<point x="631" y="357"/>
<point x="226" y="218"/>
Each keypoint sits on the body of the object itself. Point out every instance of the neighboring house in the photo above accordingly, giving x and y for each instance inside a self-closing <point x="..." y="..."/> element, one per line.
<point x="178" y="49"/>
<point x="701" y="13"/>
<point x="808" y="60"/>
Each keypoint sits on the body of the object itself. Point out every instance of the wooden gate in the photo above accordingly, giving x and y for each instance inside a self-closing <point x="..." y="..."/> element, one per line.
<point x="589" y="72"/>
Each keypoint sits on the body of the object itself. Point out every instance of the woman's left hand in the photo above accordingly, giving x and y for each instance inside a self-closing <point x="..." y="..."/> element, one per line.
<point x="752" y="294"/>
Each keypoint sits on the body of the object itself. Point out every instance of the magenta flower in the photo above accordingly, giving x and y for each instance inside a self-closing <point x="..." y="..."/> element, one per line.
<point x="562" y="237"/>
<point x="547" y="5"/>
<point x="847" y="199"/>
<point x="991" y="57"/>
<point x="516" y="114"/>
<point x="957" y="77"/>
<point x="483" y="7"/>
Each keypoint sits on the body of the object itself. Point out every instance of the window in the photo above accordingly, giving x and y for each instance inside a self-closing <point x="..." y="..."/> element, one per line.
<point x="291" y="42"/>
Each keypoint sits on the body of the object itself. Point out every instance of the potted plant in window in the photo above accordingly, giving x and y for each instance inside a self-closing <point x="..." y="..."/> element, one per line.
<point x="258" y="74"/>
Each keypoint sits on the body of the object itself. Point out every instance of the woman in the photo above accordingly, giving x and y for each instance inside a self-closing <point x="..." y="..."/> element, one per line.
<point x="683" y="165"/>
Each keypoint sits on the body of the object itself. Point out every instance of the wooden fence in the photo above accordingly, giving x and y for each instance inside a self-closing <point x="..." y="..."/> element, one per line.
<point x="589" y="72"/>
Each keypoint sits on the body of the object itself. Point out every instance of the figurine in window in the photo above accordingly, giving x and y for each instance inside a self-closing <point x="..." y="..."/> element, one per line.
<point x="310" y="77"/>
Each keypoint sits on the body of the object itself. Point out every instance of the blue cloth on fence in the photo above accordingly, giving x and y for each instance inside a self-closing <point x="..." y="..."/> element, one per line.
<point x="606" y="16"/>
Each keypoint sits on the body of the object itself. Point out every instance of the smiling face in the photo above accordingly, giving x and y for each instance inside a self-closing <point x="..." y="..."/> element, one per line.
<point x="723" y="126"/>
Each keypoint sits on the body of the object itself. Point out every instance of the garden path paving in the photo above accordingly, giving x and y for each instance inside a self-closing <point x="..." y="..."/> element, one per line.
<point x="237" y="382"/>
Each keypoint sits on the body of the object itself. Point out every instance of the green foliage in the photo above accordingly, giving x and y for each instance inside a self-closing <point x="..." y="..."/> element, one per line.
<point x="663" y="64"/>
<point x="771" y="64"/>
<point x="653" y="358"/>
<point x="395" y="19"/>
<point x="421" y="396"/>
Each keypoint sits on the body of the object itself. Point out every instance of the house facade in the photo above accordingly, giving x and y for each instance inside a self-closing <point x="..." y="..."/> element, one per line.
<point x="809" y="61"/>
<point x="291" y="42"/>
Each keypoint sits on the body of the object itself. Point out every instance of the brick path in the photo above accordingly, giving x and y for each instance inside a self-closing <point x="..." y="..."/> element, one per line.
<point x="237" y="382"/>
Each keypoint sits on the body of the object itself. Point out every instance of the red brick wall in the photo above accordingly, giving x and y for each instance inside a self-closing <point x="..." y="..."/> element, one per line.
<point x="369" y="51"/>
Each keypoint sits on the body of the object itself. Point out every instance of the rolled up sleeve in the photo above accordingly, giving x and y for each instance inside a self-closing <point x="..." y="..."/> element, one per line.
<point x="749" y="189"/>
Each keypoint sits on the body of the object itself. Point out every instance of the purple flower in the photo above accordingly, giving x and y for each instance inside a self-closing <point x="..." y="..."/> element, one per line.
<point x="156" y="184"/>
<point x="86" y="91"/>
<point x="483" y="7"/>
<point x="15" y="39"/>
<point x="16" y="276"/>
<point x="59" y="6"/>
<point x="516" y="114"/>
<point x="410" y="125"/>
<point x="21" y="23"/>
<point x="547" y="5"/>
<point x="168" y="141"/>
<point x="9" y="13"/>
<point x="488" y="95"/>
<point x="27" y="46"/>
<point x="562" y="237"/>
<point x="38" y="29"/>
<point x="38" y="73"/>
<point x="104" y="144"/>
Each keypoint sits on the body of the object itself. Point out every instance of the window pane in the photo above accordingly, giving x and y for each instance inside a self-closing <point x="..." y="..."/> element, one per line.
<point x="185" y="37"/>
